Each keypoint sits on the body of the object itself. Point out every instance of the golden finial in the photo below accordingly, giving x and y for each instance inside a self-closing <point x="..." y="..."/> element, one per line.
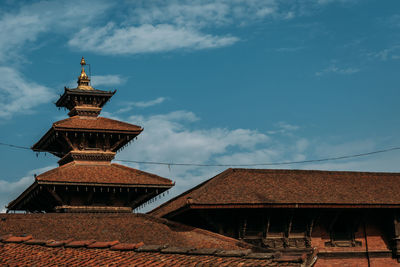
<point x="83" y="79"/>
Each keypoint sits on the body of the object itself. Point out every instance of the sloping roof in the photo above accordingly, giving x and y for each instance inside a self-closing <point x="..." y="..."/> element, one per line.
<point x="126" y="228"/>
<point x="102" y="173"/>
<point x="300" y="188"/>
<point x="88" y="92"/>
<point x="34" y="252"/>
<point x="64" y="98"/>
<point x="95" y="124"/>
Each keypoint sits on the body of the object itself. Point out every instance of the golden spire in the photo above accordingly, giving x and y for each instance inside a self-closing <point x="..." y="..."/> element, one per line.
<point x="83" y="79"/>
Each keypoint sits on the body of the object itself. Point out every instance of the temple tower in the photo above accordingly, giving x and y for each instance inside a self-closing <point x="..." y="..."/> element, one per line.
<point x="86" y="180"/>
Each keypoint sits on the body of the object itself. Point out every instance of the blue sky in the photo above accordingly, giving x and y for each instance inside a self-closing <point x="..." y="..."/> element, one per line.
<point x="225" y="82"/>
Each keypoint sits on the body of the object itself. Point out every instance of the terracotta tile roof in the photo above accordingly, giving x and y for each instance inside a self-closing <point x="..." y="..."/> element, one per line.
<point x="95" y="124"/>
<point x="103" y="173"/>
<point x="257" y="187"/>
<point x="103" y="227"/>
<point x="30" y="253"/>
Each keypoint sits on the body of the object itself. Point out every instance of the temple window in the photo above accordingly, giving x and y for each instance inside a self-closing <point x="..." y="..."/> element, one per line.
<point x="342" y="231"/>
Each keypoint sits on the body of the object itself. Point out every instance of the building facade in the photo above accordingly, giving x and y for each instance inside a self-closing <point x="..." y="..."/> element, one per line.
<point x="349" y="217"/>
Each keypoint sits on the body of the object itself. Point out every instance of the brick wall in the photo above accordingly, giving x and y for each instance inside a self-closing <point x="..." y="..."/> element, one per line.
<point x="378" y="247"/>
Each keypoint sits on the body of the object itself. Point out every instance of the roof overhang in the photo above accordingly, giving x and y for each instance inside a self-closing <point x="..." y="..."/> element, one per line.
<point x="188" y="207"/>
<point x="64" y="98"/>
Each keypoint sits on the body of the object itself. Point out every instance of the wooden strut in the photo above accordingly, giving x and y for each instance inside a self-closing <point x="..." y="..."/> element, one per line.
<point x="139" y="199"/>
<point x="65" y="135"/>
<point x="268" y="225"/>
<point x="55" y="195"/>
<point x="120" y="141"/>
<point x="310" y="227"/>
<point x="289" y="227"/>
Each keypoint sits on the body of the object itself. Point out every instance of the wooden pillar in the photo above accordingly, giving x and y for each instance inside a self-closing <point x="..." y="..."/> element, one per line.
<point x="396" y="245"/>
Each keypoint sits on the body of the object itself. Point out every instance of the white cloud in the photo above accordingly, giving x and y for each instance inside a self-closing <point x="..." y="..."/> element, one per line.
<point x="143" y="27"/>
<point x="336" y="70"/>
<point x="128" y="106"/>
<point x="145" y="38"/>
<point x="25" y="25"/>
<point x="145" y="104"/>
<point x="97" y="80"/>
<point x="206" y="13"/>
<point x="168" y="137"/>
<point x="164" y="26"/>
<point x="202" y="13"/>
<point x="20" y="31"/>
<point x="18" y="95"/>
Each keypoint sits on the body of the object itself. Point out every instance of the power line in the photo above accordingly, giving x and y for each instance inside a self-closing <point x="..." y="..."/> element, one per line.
<point x="264" y="164"/>
<point x="230" y="165"/>
<point x="15" y="146"/>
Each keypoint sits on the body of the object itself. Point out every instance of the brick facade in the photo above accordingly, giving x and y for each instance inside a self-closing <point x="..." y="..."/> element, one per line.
<point x="379" y="249"/>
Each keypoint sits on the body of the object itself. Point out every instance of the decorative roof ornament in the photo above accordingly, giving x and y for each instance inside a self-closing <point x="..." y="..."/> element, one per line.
<point x="83" y="79"/>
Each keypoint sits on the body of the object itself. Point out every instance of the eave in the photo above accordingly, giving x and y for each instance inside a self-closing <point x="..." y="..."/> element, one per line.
<point x="41" y="145"/>
<point x="156" y="186"/>
<point x="15" y="202"/>
<point x="187" y="207"/>
<point x="61" y="102"/>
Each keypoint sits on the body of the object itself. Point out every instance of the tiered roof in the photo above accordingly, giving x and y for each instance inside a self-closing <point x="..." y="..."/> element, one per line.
<point x="86" y="144"/>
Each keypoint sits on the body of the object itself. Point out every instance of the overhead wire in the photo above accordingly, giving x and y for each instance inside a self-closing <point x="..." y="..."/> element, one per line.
<point x="229" y="165"/>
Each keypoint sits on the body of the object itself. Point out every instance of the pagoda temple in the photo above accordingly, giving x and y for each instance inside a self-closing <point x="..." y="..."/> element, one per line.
<point x="86" y="180"/>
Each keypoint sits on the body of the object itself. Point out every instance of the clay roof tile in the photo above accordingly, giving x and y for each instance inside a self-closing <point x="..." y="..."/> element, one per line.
<point x="252" y="187"/>
<point x="95" y="123"/>
<point x="101" y="173"/>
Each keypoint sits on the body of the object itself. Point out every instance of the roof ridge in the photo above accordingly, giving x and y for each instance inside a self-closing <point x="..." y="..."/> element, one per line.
<point x="195" y="229"/>
<point x="164" y="249"/>
<point x="139" y="171"/>
<point x="118" y="121"/>
<point x="313" y="171"/>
